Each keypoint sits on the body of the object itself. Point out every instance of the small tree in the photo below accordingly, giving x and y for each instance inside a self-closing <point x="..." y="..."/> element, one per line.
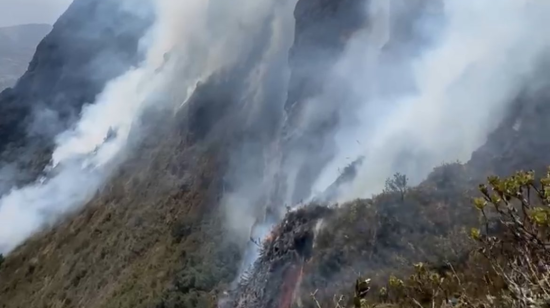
<point x="398" y="183"/>
<point x="509" y="266"/>
<point x="519" y="251"/>
<point x="1" y="259"/>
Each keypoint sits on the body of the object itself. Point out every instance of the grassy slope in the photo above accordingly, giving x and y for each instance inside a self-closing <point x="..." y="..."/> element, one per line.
<point x="125" y="248"/>
<point x="387" y="234"/>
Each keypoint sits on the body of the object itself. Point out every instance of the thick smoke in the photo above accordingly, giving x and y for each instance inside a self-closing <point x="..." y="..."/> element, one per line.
<point x="189" y="41"/>
<point x="251" y="170"/>
<point x="410" y="105"/>
<point x="82" y="160"/>
<point x="440" y="102"/>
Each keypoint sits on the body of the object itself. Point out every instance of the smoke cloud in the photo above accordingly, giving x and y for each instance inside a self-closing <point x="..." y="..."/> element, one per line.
<point x="251" y="173"/>
<point x="440" y="102"/>
<point x="189" y="41"/>
<point x="417" y="87"/>
<point x="410" y="105"/>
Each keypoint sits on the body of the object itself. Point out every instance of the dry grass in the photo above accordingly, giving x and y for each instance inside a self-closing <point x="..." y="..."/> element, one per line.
<point x="118" y="251"/>
<point x="507" y="265"/>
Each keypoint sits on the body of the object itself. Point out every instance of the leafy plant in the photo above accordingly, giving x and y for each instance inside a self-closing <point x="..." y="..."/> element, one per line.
<point x="518" y="248"/>
<point x="509" y="265"/>
<point x="398" y="183"/>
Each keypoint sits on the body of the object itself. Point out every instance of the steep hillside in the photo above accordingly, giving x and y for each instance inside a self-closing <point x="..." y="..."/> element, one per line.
<point x="17" y="49"/>
<point x="71" y="65"/>
<point x="165" y="242"/>
<point x="125" y="248"/>
<point x="156" y="234"/>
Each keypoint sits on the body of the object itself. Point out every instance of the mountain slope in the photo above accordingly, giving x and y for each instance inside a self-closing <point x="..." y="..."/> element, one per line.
<point x="18" y="46"/>
<point x="155" y="235"/>
<point x="71" y="66"/>
<point x="172" y="226"/>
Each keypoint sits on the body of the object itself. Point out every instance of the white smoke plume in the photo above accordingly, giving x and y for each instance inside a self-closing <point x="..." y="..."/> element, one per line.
<point x="189" y="41"/>
<point x="481" y="59"/>
<point x="243" y="206"/>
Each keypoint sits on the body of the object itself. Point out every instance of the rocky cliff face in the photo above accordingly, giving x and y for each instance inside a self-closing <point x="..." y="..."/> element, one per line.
<point x="322" y="29"/>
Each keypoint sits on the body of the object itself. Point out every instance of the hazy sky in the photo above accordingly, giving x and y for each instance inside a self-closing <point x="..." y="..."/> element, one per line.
<point x="14" y="12"/>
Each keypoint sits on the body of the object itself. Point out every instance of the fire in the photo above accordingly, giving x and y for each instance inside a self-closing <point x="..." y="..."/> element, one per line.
<point x="269" y="237"/>
<point x="296" y="294"/>
<point x="291" y="285"/>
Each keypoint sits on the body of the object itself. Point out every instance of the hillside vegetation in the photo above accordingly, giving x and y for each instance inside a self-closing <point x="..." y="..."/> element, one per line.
<point x="505" y="263"/>
<point x="154" y="234"/>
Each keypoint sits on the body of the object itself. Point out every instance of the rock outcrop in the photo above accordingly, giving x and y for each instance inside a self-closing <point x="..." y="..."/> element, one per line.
<point x="276" y="275"/>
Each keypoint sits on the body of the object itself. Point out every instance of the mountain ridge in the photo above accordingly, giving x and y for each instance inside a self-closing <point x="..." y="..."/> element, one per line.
<point x="155" y="235"/>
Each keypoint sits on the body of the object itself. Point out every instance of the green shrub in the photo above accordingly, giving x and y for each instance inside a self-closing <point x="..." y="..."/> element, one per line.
<point x="509" y="265"/>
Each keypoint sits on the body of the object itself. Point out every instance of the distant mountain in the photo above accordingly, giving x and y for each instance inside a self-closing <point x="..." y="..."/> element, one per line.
<point x="17" y="47"/>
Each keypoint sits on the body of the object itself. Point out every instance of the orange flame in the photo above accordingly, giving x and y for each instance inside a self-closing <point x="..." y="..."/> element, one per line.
<point x="290" y="285"/>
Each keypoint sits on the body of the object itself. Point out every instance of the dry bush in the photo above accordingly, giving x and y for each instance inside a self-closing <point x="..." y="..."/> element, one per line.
<point x="387" y="234"/>
<point x="509" y="266"/>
